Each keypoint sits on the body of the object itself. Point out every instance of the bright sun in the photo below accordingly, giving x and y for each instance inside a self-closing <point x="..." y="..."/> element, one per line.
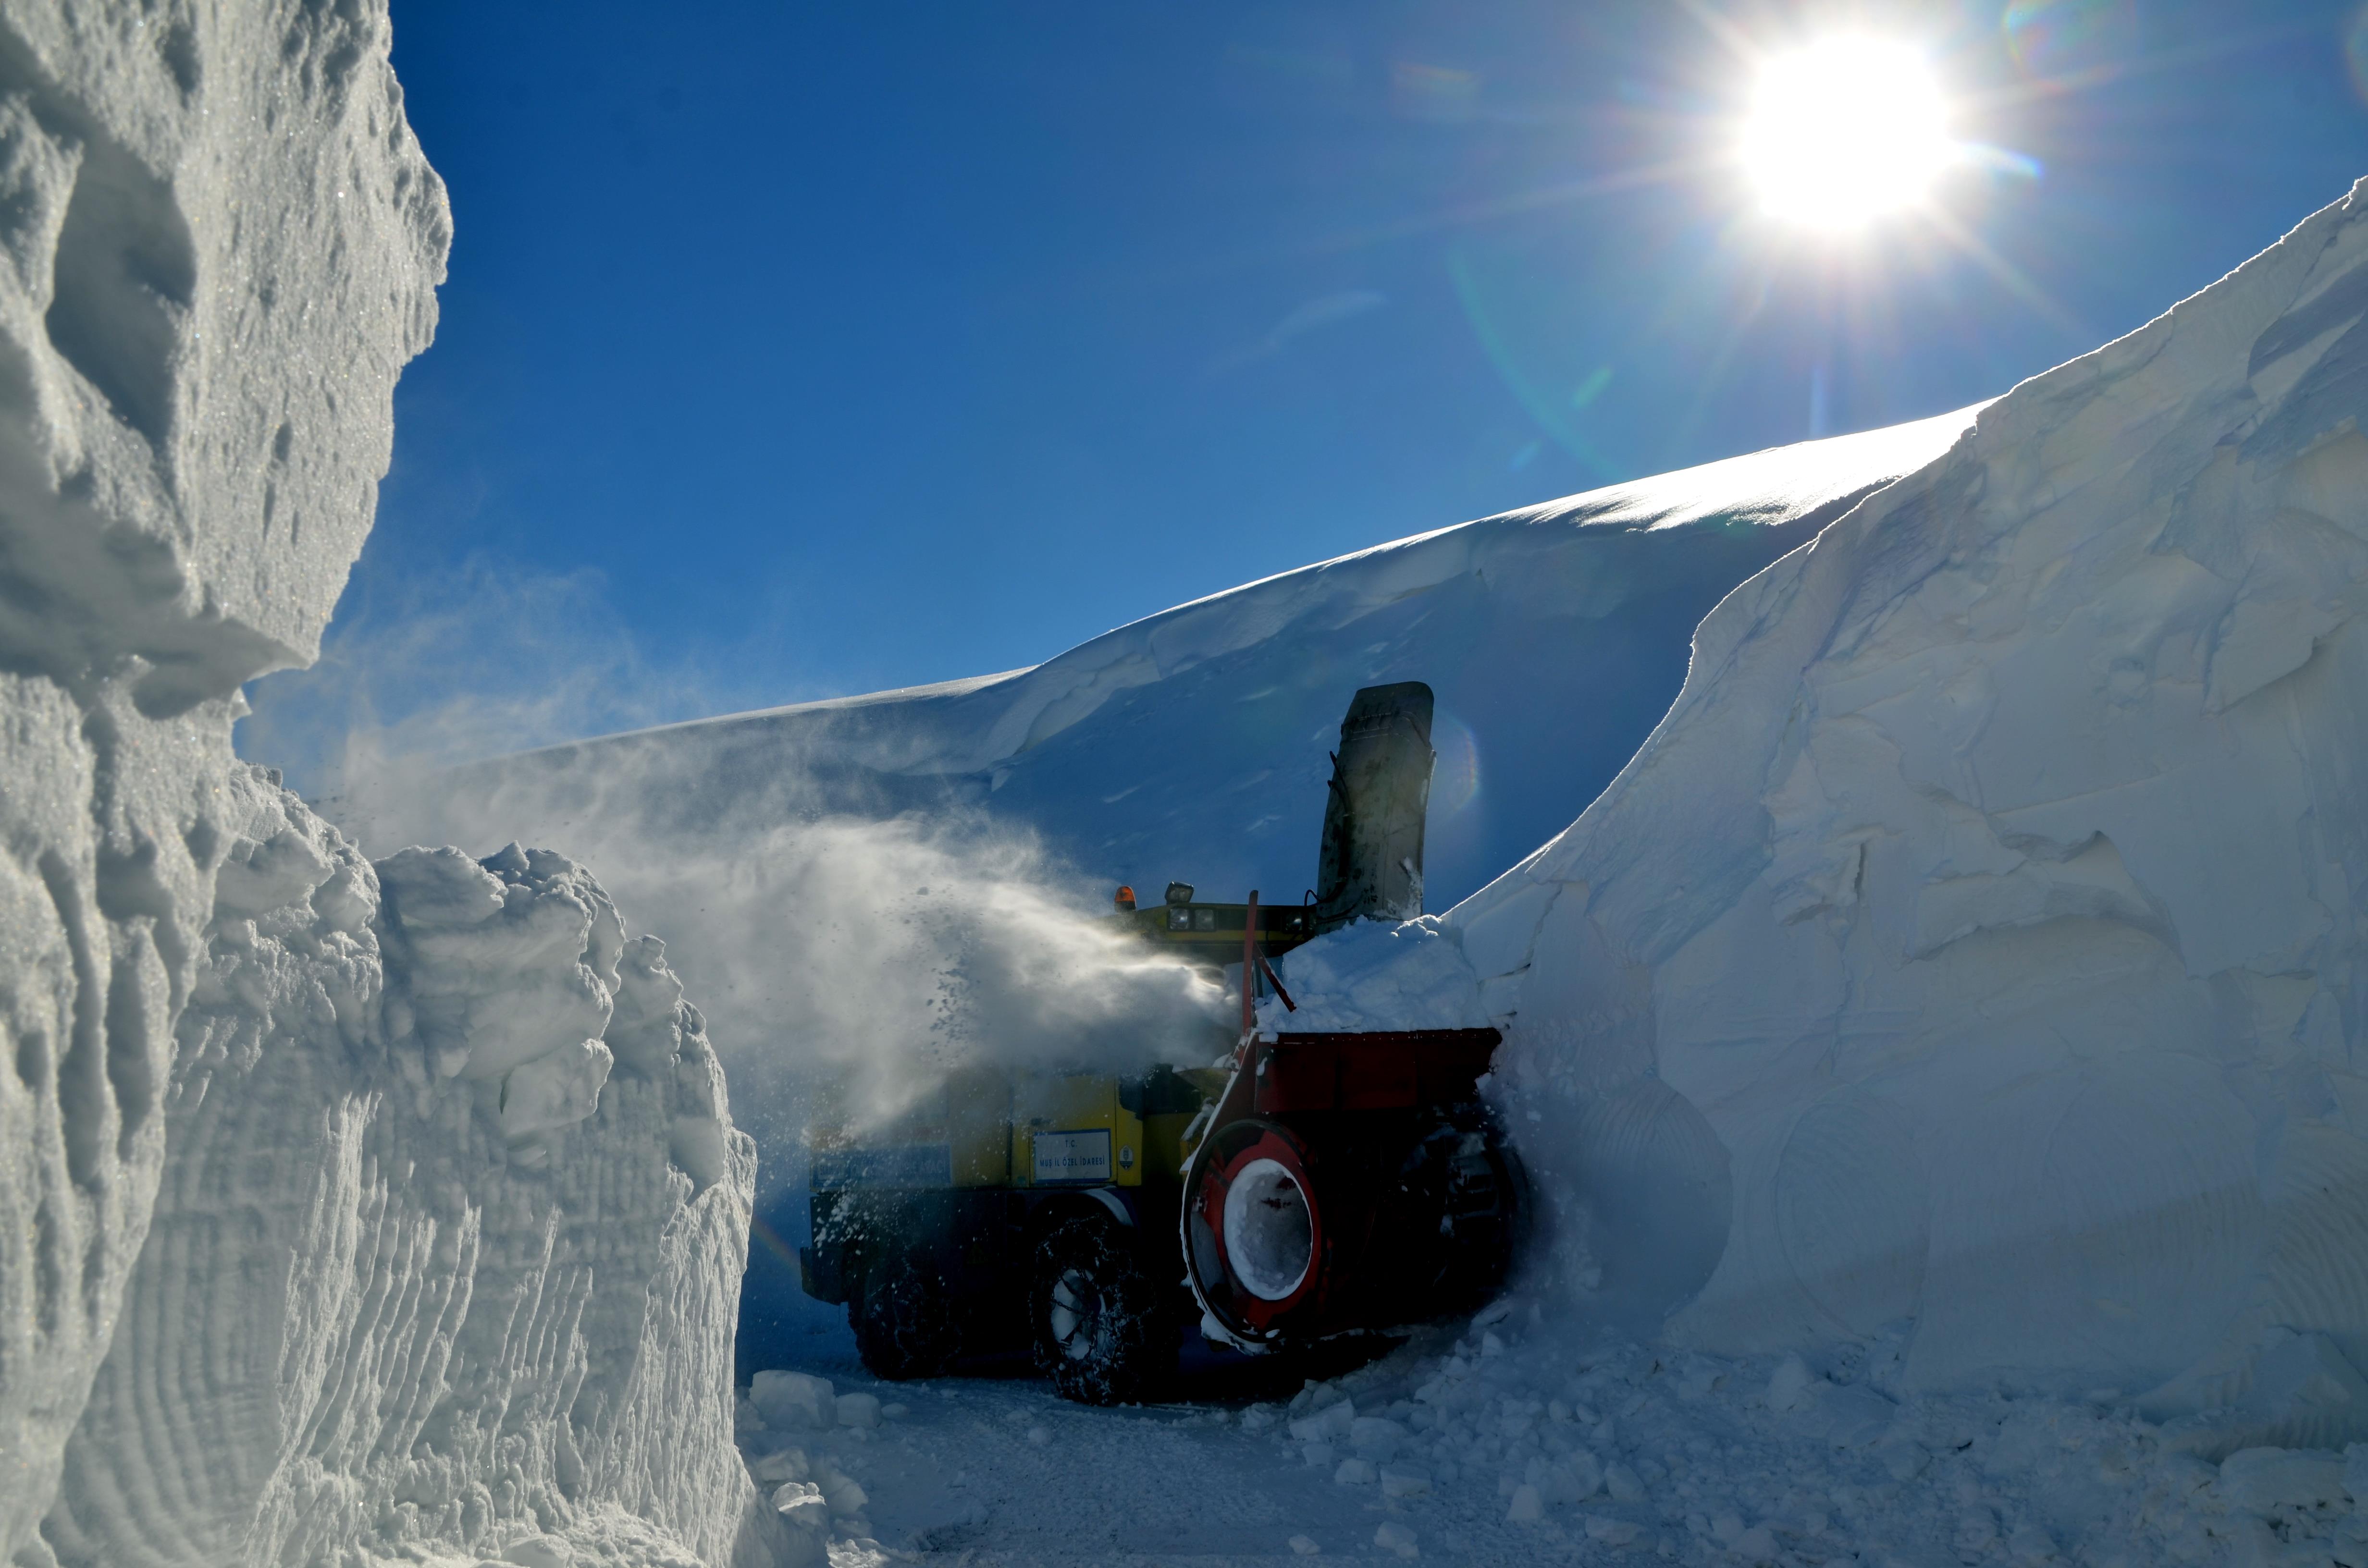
<point x="1845" y="131"/>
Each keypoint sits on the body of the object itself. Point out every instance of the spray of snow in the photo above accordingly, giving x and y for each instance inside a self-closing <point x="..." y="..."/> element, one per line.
<point x="884" y="954"/>
<point x="441" y="665"/>
<point x="866" y="956"/>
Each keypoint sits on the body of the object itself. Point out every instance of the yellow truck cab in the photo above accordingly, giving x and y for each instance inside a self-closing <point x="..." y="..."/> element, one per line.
<point x="946" y="1230"/>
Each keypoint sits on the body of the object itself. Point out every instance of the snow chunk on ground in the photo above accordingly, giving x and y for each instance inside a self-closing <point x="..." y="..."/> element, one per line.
<point x="1377" y="975"/>
<point x="1570" y="1442"/>
<point x="791" y="1401"/>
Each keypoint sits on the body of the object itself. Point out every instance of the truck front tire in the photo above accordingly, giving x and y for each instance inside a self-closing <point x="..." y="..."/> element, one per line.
<point x="904" y="1320"/>
<point x="1095" y="1315"/>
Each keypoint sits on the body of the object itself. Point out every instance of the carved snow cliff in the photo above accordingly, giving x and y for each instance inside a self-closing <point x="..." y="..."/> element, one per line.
<point x="217" y="246"/>
<point x="1979" y="940"/>
<point x="448" y="1250"/>
<point x="452" y="1218"/>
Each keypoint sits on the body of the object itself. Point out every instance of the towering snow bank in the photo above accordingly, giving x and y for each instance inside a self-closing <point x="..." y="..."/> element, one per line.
<point x="1193" y="742"/>
<point x="220" y="246"/>
<point x="217" y="246"/>
<point x="447" y="1253"/>
<point x="1979" y="940"/>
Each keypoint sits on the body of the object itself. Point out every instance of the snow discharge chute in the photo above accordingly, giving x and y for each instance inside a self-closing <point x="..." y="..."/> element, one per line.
<point x="1370" y="859"/>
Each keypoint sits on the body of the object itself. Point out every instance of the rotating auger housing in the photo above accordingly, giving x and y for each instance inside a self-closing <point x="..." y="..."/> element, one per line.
<point x="1351" y="1182"/>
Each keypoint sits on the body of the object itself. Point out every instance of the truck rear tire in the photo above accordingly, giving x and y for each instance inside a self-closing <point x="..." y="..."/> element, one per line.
<point x="1095" y="1315"/>
<point x="903" y="1320"/>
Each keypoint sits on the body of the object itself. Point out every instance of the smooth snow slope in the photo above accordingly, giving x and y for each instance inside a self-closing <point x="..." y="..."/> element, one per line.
<point x="1979" y="941"/>
<point x="1192" y="743"/>
<point x="217" y="246"/>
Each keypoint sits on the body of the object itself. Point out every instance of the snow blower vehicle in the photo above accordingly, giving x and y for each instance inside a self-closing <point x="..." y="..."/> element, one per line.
<point x="1306" y="1188"/>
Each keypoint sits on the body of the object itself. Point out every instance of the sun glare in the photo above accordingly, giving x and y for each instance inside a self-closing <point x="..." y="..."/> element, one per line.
<point x="1845" y="131"/>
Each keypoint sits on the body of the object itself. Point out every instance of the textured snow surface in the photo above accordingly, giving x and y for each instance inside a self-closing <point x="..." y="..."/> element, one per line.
<point x="1520" y="1440"/>
<point x="217" y="246"/>
<point x="220" y="246"/>
<point x="1377" y="974"/>
<point x="1978" y="943"/>
<point x="446" y="1258"/>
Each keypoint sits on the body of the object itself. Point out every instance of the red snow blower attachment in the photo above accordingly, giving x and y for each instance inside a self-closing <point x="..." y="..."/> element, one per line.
<point x="1353" y="1181"/>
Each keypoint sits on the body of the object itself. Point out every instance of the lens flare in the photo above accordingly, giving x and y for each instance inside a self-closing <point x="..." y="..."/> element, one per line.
<point x="1455" y="775"/>
<point x="2059" y="37"/>
<point x="1846" y="131"/>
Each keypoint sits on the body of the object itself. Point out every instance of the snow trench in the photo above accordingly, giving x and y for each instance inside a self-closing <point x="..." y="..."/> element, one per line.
<point x="1972" y="954"/>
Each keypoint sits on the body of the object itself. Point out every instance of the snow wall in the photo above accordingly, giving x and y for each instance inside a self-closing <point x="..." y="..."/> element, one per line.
<point x="447" y="1253"/>
<point x="1977" y="946"/>
<point x="217" y="246"/>
<point x="1194" y="743"/>
<point x="418" y="1280"/>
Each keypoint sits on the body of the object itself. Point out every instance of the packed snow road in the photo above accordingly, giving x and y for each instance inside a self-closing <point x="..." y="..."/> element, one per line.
<point x="1519" y="1442"/>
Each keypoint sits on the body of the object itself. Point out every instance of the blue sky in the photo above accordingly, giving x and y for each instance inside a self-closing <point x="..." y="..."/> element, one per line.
<point x="793" y="351"/>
